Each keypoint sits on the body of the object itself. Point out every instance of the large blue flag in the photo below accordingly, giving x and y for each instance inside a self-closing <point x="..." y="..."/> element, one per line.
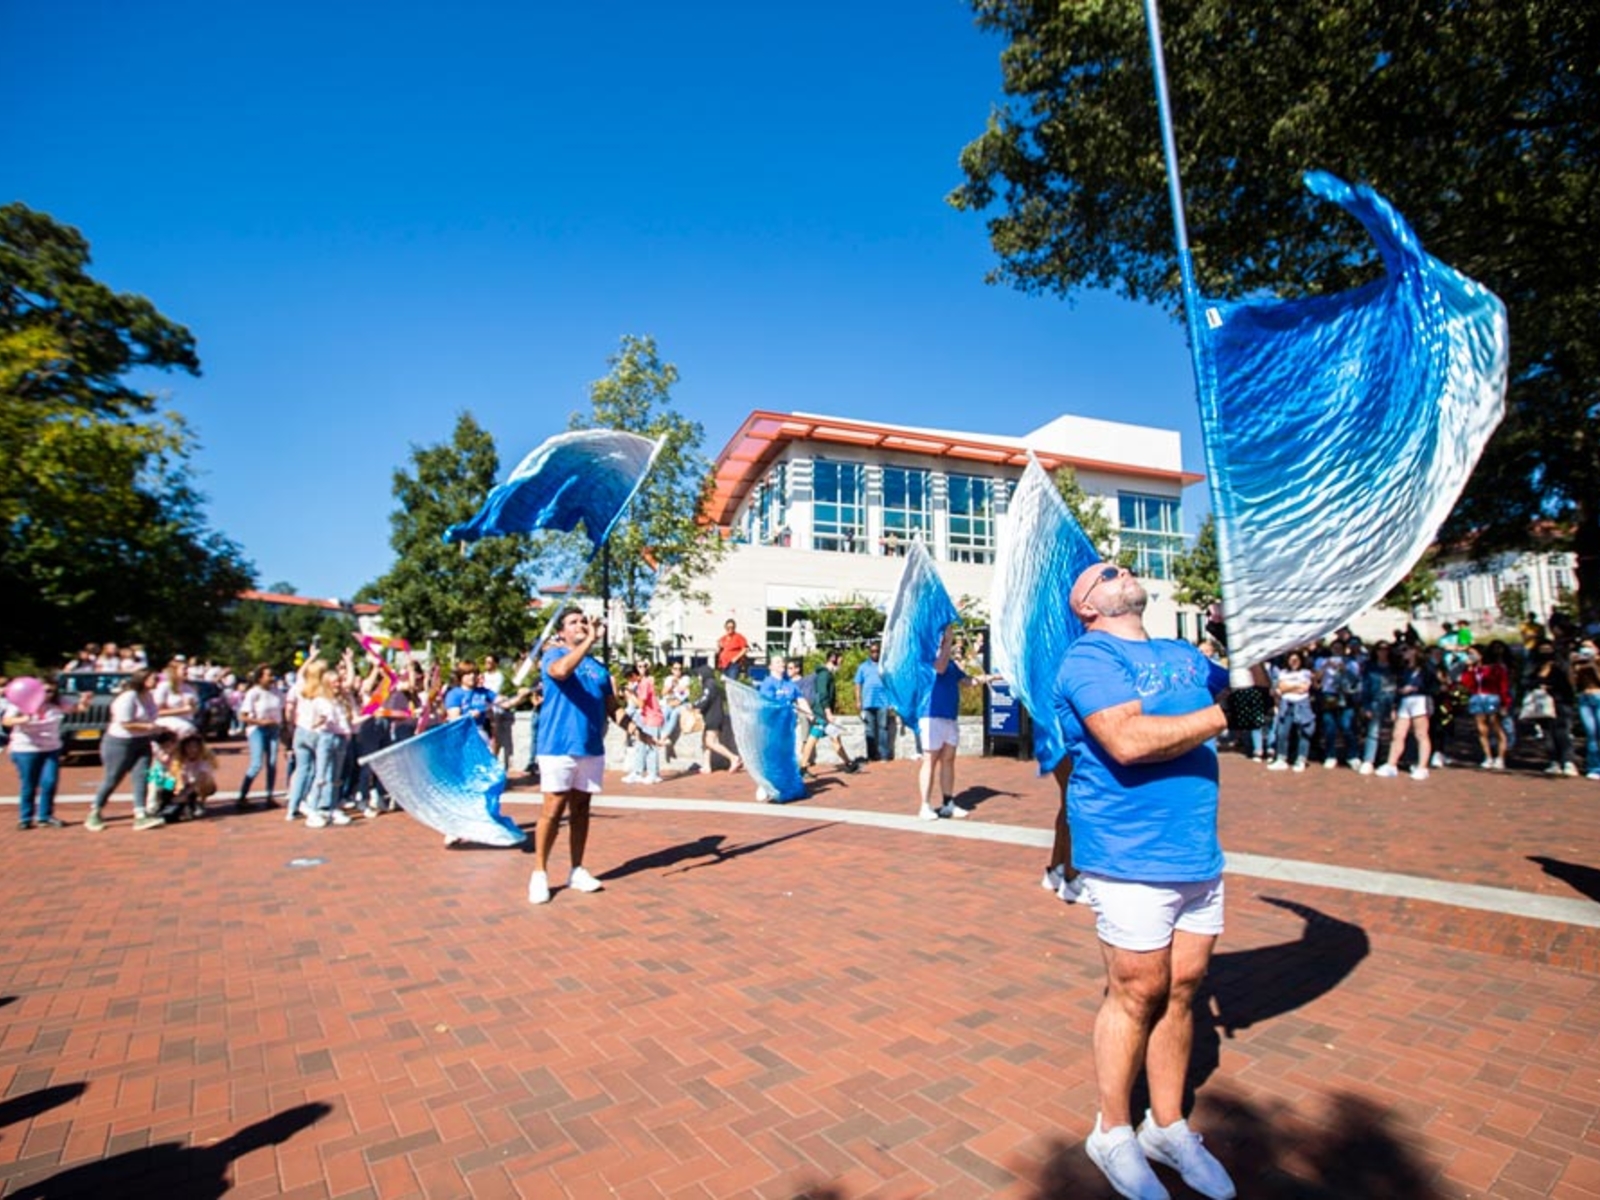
<point x="584" y="478"/>
<point x="1340" y="431"/>
<point x="1042" y="552"/>
<point x="919" y="612"/>
<point x="448" y="779"/>
<point x="764" y="730"/>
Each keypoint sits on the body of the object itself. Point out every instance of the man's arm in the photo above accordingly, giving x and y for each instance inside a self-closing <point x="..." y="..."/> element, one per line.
<point x="1131" y="737"/>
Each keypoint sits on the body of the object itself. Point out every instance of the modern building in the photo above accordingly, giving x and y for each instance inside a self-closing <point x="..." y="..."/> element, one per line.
<point x="821" y="509"/>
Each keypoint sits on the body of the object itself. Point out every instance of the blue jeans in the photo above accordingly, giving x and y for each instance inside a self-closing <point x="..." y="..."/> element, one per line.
<point x="263" y="752"/>
<point x="1382" y="714"/>
<point x="37" y="772"/>
<point x="647" y="754"/>
<point x="880" y="747"/>
<point x="1589" y="714"/>
<point x="1291" y="717"/>
<point x="1338" y="724"/>
<point x="330" y="753"/>
<point x="303" y="772"/>
<point x="122" y="757"/>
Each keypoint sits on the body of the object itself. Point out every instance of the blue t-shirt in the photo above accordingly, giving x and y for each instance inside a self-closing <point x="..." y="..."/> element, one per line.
<point x="572" y="720"/>
<point x="944" y="698"/>
<point x="1151" y="822"/>
<point x="777" y="687"/>
<point x="869" y="678"/>
<point x="472" y="702"/>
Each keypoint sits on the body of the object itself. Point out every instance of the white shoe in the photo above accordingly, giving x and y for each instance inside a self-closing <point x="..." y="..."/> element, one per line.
<point x="1365" y="768"/>
<point x="1499" y="764"/>
<point x="953" y="811"/>
<point x="630" y="777"/>
<point x="1486" y="765"/>
<point x="581" y="881"/>
<point x="1419" y="772"/>
<point x="316" y="821"/>
<point x="1179" y="1147"/>
<point x="1553" y="769"/>
<point x="538" y="888"/>
<point x="340" y="817"/>
<point x="1300" y="766"/>
<point x="1330" y="764"/>
<point x="1277" y="764"/>
<point x="1054" y="877"/>
<point x="1571" y="770"/>
<point x="1593" y="775"/>
<point x="1071" y="890"/>
<point x="650" y="779"/>
<point x="1122" y="1161"/>
<point x="928" y="814"/>
<point x="1387" y="771"/>
<point x="1436" y="761"/>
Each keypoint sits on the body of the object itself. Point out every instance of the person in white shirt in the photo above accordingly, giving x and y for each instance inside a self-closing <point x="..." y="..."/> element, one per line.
<point x="299" y="713"/>
<point x="334" y="721"/>
<point x="125" y="750"/>
<point x="177" y="701"/>
<point x="35" y="749"/>
<point x="261" y="711"/>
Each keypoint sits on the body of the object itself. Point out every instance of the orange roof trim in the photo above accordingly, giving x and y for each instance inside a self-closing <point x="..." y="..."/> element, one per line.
<point x="757" y="443"/>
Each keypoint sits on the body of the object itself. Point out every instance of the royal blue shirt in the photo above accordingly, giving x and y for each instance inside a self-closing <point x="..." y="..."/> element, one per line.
<point x="471" y="702"/>
<point x="572" y="720"/>
<point x="1151" y="822"/>
<point x="944" y="698"/>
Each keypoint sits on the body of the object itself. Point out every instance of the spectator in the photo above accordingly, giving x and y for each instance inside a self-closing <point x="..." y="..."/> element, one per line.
<point x="1552" y="671"/>
<point x="717" y="736"/>
<point x="873" y="700"/>
<point x="300" y="715"/>
<point x="125" y="750"/>
<point x="644" y="709"/>
<point x="1415" y="685"/>
<point x="333" y="722"/>
<point x="1488" y="688"/>
<point x="1586" y="684"/>
<point x="35" y="748"/>
<point x="1339" y="692"/>
<point x="1296" y="718"/>
<point x="732" y="649"/>
<point x="261" y="711"/>
<point x="177" y="701"/>
<point x="824" y="721"/>
<point x="502" y="721"/>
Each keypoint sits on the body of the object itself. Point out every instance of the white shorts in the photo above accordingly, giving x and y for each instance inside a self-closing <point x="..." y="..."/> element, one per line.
<point x="1412" y="707"/>
<point x="1142" y="916"/>
<point x="938" y="732"/>
<point x="559" y="773"/>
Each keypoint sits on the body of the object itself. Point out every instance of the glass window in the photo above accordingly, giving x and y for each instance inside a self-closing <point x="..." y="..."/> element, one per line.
<point x="839" y="515"/>
<point x="1151" y="527"/>
<point x="971" y="512"/>
<point x="907" y="509"/>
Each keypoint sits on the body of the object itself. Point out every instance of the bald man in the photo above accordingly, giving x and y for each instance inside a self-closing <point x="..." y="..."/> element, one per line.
<point x="1142" y="803"/>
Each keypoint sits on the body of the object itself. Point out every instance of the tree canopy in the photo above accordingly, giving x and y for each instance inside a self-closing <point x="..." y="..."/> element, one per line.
<point x="1475" y="119"/>
<point x="102" y="532"/>
<point x="472" y="598"/>
<point x="660" y="542"/>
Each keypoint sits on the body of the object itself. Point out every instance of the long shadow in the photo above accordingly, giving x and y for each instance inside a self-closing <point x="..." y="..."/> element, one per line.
<point x="25" y="1108"/>
<point x="1274" y="1154"/>
<point x="708" y="849"/>
<point x="1245" y="987"/>
<point x="971" y="797"/>
<point x="1582" y="879"/>
<point x="5" y="1000"/>
<point x="171" y="1170"/>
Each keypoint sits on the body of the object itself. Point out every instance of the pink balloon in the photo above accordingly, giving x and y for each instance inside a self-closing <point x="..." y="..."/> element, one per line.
<point x="26" y="692"/>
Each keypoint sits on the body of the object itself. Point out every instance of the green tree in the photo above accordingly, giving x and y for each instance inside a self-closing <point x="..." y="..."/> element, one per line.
<point x="257" y="632"/>
<point x="1476" y="120"/>
<point x="661" y="542"/>
<point x="1091" y="517"/>
<point x="472" y="596"/>
<point x="1512" y="601"/>
<point x="846" y="622"/>
<point x="102" y="533"/>
<point x="1197" y="571"/>
<point x="1418" y="589"/>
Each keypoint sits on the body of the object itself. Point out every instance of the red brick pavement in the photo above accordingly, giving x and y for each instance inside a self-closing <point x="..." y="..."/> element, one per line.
<point x="763" y="1007"/>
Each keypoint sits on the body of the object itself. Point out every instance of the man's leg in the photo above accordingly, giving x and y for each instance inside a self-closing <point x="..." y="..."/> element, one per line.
<point x="579" y="804"/>
<point x="545" y="834"/>
<point x="1172" y="1038"/>
<point x="1137" y="985"/>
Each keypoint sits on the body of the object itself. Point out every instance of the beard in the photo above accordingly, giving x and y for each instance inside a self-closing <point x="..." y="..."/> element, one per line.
<point x="1130" y="599"/>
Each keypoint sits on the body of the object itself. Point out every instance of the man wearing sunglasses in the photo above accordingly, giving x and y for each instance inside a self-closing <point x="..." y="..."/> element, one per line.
<point x="1142" y="804"/>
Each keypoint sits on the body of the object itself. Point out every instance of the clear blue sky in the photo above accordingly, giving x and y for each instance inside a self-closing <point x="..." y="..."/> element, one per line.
<point x="375" y="216"/>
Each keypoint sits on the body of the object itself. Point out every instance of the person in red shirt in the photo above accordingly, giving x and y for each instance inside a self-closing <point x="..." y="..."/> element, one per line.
<point x="731" y="650"/>
<point x="1488" y="687"/>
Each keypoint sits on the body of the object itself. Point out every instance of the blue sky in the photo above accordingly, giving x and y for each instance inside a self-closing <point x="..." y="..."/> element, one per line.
<point x="375" y="216"/>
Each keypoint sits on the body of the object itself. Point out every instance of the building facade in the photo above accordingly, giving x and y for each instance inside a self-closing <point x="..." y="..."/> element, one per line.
<point x="821" y="510"/>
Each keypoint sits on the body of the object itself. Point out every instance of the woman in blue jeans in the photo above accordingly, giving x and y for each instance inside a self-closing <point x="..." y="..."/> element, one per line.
<point x="1586" y="683"/>
<point x="36" y="753"/>
<point x="125" y="750"/>
<point x="261" y="710"/>
<point x="300" y="711"/>
<point x="1379" y="688"/>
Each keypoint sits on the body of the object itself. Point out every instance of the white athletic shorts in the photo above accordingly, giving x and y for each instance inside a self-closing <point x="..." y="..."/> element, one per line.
<point x="1414" y="706"/>
<point x="560" y="773"/>
<point x="1142" y="916"/>
<point x="937" y="732"/>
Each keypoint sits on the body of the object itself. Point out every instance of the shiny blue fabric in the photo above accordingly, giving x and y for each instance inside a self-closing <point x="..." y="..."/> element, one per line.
<point x="447" y="779"/>
<point x="764" y="730"/>
<point x="1042" y="552"/>
<point x="1340" y="431"/>
<point x="919" y="612"/>
<point x="582" y="478"/>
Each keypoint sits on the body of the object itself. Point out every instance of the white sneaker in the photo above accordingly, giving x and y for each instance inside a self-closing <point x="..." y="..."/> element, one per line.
<point x="1387" y="771"/>
<point x="1436" y="761"/>
<point x="1419" y="772"/>
<point x="953" y="811"/>
<point x="581" y="881"/>
<point x="1486" y="765"/>
<point x="928" y="814"/>
<point x="1071" y="890"/>
<point x="316" y="821"/>
<point x="538" y="888"/>
<point x="1499" y="764"/>
<point x="1570" y="769"/>
<point x="1330" y="764"/>
<point x="630" y="777"/>
<point x="1121" y="1160"/>
<point x="1593" y="775"/>
<point x="1300" y="766"/>
<point x="650" y="779"/>
<point x="1054" y="877"/>
<point x="340" y="817"/>
<point x="1553" y="769"/>
<point x="1180" y="1148"/>
<point x="1277" y="764"/>
<point x="1365" y="768"/>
